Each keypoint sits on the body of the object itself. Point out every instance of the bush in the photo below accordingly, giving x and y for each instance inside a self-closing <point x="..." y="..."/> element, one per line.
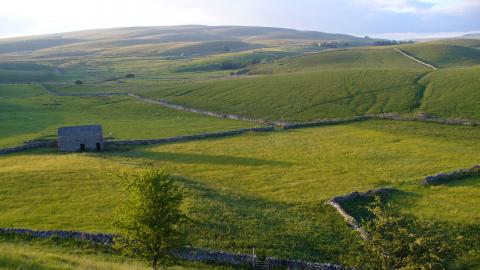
<point x="78" y="82"/>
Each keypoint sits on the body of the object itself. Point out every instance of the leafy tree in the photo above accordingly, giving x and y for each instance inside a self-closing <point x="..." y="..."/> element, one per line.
<point x="401" y="242"/>
<point x="150" y="218"/>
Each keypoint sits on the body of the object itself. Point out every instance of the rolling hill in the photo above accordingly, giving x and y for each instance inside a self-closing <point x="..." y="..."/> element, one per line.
<point x="445" y="54"/>
<point x="154" y="40"/>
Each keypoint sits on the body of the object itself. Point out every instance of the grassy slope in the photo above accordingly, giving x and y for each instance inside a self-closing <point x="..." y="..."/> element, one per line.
<point x="28" y="112"/>
<point x="365" y="58"/>
<point x="443" y="54"/>
<point x="442" y="203"/>
<point x="264" y="190"/>
<point x="20" y="254"/>
<point x="452" y="93"/>
<point x="302" y="96"/>
<point x="324" y="85"/>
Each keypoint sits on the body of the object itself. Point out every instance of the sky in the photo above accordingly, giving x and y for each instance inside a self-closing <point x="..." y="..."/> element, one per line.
<point x="377" y="18"/>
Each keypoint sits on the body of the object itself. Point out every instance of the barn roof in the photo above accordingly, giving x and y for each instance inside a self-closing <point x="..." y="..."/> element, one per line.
<point x="76" y="130"/>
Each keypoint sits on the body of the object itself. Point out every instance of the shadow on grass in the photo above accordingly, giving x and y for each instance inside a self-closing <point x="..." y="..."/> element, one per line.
<point x="199" y="158"/>
<point x="472" y="181"/>
<point x="238" y="222"/>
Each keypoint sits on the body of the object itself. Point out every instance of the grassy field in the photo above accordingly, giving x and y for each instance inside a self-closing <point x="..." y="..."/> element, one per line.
<point x="444" y="55"/>
<point x="26" y="254"/>
<point x="259" y="190"/>
<point x="452" y="92"/>
<point x="364" y="58"/>
<point x="28" y="112"/>
<point x="263" y="191"/>
<point x="302" y="96"/>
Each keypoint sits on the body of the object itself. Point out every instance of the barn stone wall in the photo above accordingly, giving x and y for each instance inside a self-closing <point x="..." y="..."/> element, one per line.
<point x="72" y="143"/>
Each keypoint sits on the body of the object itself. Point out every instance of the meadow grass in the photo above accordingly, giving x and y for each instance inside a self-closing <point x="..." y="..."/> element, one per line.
<point x="452" y="93"/>
<point x="28" y="112"/>
<point x="444" y="55"/>
<point x="258" y="190"/>
<point x="302" y="96"/>
<point x="21" y="253"/>
<point x="357" y="58"/>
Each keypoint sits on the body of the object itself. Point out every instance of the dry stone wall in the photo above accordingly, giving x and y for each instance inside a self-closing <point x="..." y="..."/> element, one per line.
<point x="336" y="203"/>
<point x="188" y="254"/>
<point x="274" y="263"/>
<point x="28" y="146"/>
<point x="197" y="111"/>
<point x="442" y="178"/>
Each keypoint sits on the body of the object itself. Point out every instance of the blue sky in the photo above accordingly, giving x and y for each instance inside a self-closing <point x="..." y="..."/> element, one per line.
<point x="362" y="17"/>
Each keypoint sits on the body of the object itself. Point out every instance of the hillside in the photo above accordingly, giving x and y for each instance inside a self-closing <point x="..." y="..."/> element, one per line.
<point x="160" y="40"/>
<point x="302" y="96"/>
<point x="445" y="54"/>
<point x="364" y="58"/>
<point x="472" y="36"/>
<point x="453" y="92"/>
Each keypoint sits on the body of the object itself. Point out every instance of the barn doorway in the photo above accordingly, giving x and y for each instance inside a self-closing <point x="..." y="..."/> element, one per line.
<point x="99" y="147"/>
<point x="82" y="147"/>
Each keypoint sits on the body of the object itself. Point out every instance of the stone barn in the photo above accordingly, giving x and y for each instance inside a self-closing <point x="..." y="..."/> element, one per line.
<point x="80" y="138"/>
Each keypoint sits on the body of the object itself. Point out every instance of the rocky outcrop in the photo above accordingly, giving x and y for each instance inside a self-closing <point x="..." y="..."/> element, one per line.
<point x="455" y="175"/>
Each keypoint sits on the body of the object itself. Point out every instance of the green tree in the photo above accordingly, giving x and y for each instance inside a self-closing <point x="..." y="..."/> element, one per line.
<point x="402" y="242"/>
<point x="150" y="219"/>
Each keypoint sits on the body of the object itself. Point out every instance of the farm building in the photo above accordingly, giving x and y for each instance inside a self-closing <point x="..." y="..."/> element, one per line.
<point x="80" y="138"/>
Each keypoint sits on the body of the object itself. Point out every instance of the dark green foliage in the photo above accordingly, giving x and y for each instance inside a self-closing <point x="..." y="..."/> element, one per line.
<point x="401" y="242"/>
<point x="150" y="219"/>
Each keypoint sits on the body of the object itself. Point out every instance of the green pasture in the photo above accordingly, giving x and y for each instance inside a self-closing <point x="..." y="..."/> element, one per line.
<point x="26" y="254"/>
<point x="28" y="112"/>
<point x="302" y="96"/>
<point x="358" y="58"/>
<point x="259" y="190"/>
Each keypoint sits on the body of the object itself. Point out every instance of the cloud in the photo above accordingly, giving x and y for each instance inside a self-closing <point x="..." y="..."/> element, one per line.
<point x="24" y="17"/>
<point x="403" y="5"/>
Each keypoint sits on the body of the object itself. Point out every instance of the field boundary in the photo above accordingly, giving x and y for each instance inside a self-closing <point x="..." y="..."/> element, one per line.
<point x="440" y="178"/>
<point x="28" y="146"/>
<point x="187" y="253"/>
<point x="282" y="124"/>
<point x="270" y="128"/>
<point x="335" y="202"/>
<point x="443" y="178"/>
<point x="415" y="59"/>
